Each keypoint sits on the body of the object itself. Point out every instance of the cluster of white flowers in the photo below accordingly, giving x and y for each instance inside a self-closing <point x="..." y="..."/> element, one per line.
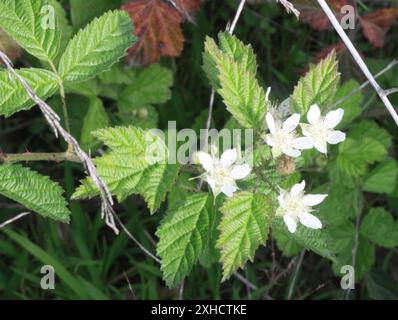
<point x="317" y="133"/>
<point x="294" y="205"/>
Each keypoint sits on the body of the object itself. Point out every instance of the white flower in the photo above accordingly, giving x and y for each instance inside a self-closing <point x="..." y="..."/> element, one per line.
<point x="320" y="129"/>
<point x="221" y="173"/>
<point x="295" y="206"/>
<point x="282" y="137"/>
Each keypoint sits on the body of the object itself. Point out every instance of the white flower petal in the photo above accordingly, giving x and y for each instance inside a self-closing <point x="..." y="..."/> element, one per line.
<point x="270" y="122"/>
<point x="333" y="118"/>
<point x="314" y="114"/>
<point x="240" y="171"/>
<point x="335" y="137"/>
<point x="290" y="223"/>
<point x="297" y="188"/>
<point x="305" y="127"/>
<point x="229" y="157"/>
<point x="313" y="199"/>
<point x="291" y="152"/>
<point x="229" y="190"/>
<point x="205" y="160"/>
<point x="291" y="123"/>
<point x="269" y="141"/>
<point x="310" y="221"/>
<point x="211" y="182"/>
<point x="281" y="200"/>
<point x="303" y="143"/>
<point x="321" y="146"/>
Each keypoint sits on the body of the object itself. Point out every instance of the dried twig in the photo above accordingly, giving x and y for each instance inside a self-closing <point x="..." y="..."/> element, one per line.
<point x="19" y="216"/>
<point x="231" y="29"/>
<point x="358" y="59"/>
<point x="289" y="7"/>
<point x="365" y="84"/>
<point x="391" y="91"/>
<point x="245" y="281"/>
<point x="53" y="120"/>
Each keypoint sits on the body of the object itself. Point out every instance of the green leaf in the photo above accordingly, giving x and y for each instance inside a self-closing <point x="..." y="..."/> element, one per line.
<point x="83" y="11"/>
<point x="370" y="129"/>
<point x="149" y="86"/>
<point x="183" y="235"/>
<point x="211" y="56"/>
<point x="318" y="86"/>
<point x="286" y="244"/>
<point x="118" y="74"/>
<point x="381" y="285"/>
<point x="231" y="70"/>
<point x="135" y="163"/>
<point x="181" y="189"/>
<point x="317" y="240"/>
<point x="241" y="53"/>
<point x="231" y="46"/>
<point x="13" y="96"/>
<point x="63" y="25"/>
<point x="244" y="227"/>
<point x="28" y="23"/>
<point x="211" y="254"/>
<point x="355" y="155"/>
<point x="379" y="227"/>
<point x="343" y="236"/>
<point x="156" y="182"/>
<point x="34" y="191"/>
<point x="96" y="118"/>
<point x="141" y="117"/>
<point x="97" y="47"/>
<point x="382" y="179"/>
<point x="351" y="106"/>
<point x="342" y="203"/>
<point x="241" y="93"/>
<point x="89" y="88"/>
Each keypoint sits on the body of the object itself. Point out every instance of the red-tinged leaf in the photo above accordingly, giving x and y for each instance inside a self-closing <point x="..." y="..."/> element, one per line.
<point x="337" y="47"/>
<point x="376" y="24"/>
<point x="158" y="27"/>
<point x="311" y="13"/>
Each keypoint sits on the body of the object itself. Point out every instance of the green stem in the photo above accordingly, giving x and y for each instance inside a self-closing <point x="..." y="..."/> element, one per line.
<point x="63" y="98"/>
<point x="27" y="157"/>
<point x="295" y="275"/>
